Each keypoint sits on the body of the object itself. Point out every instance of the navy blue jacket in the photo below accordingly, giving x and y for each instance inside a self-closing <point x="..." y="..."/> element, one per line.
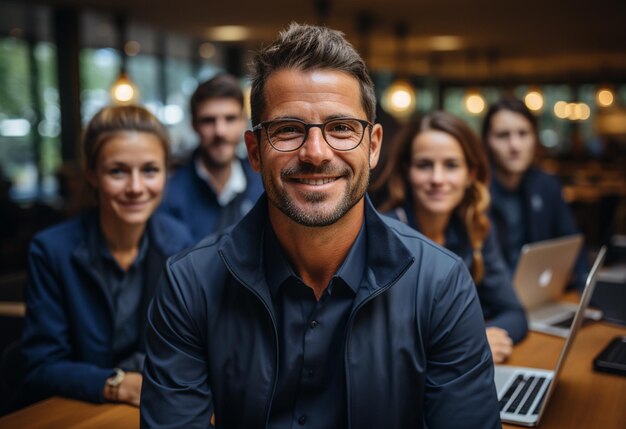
<point x="499" y="303"/>
<point x="189" y="197"/>
<point x="416" y="353"/>
<point x="547" y="215"/>
<point x="67" y="337"/>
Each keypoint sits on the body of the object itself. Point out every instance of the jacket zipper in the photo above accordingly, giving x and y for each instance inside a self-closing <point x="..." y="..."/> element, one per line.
<point x="269" y="312"/>
<point x="349" y="331"/>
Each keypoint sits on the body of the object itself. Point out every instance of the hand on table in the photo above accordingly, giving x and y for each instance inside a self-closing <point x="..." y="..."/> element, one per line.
<point x="500" y="344"/>
<point x="129" y="391"/>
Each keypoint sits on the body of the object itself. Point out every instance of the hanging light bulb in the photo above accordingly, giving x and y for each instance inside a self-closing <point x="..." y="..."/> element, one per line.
<point x="399" y="98"/>
<point x="474" y="102"/>
<point x="124" y="91"/>
<point x="534" y="99"/>
<point x="604" y="96"/>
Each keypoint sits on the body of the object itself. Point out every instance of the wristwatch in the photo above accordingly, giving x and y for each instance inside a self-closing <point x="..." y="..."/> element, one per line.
<point x="114" y="382"/>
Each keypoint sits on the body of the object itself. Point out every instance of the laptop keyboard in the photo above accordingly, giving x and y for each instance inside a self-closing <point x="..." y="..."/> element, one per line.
<point x="517" y="400"/>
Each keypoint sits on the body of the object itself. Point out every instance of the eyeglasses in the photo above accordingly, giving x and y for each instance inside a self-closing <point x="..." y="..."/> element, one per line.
<point x="288" y="135"/>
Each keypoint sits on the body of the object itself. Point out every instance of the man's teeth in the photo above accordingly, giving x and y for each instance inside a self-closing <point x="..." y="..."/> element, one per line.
<point x="316" y="181"/>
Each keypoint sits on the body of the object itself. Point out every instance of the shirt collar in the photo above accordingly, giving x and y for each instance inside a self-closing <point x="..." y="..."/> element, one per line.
<point x="278" y="270"/>
<point x="97" y="246"/>
<point x="235" y="185"/>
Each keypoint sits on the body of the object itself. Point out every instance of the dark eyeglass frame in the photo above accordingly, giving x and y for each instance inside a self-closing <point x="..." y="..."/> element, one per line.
<point x="267" y="124"/>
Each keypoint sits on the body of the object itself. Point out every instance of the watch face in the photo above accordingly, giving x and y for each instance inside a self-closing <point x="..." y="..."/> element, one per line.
<point x="117" y="379"/>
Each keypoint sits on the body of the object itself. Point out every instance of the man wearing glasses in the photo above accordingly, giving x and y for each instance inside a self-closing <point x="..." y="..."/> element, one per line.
<point x="313" y="311"/>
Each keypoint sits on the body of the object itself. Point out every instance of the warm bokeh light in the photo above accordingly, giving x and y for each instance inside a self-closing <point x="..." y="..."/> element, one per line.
<point x="474" y="103"/>
<point x="572" y="111"/>
<point x="584" y="112"/>
<point x="604" y="97"/>
<point x="229" y="33"/>
<point x="206" y="50"/>
<point x="534" y="100"/>
<point x="560" y="109"/>
<point x="132" y="48"/>
<point x="399" y="98"/>
<point x="445" y="43"/>
<point x="124" y="90"/>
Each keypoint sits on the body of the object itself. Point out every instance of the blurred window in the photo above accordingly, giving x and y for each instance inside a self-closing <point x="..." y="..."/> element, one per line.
<point x="29" y="117"/>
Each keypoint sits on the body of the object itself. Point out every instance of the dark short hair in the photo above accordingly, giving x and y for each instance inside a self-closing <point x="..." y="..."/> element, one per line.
<point x="508" y="103"/>
<point x="305" y="48"/>
<point x="114" y="120"/>
<point x="221" y="86"/>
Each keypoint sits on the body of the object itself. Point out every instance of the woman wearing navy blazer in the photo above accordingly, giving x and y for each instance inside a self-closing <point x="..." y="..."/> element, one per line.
<point x="91" y="278"/>
<point x="436" y="182"/>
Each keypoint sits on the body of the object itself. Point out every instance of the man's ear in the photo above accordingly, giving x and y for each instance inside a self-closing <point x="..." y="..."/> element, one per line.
<point x="376" y="141"/>
<point x="252" y="144"/>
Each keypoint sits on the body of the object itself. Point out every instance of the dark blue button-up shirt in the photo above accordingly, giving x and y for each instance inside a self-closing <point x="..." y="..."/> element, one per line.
<point x="311" y="389"/>
<point x="125" y="290"/>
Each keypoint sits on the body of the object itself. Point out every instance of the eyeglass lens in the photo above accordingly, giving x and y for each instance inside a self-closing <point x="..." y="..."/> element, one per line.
<point x="340" y="134"/>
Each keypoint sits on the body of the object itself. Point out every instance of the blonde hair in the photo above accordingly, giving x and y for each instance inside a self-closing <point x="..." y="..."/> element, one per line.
<point x="473" y="208"/>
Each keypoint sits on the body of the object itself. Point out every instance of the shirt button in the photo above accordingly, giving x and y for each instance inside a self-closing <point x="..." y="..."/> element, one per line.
<point x="302" y="419"/>
<point x="314" y="324"/>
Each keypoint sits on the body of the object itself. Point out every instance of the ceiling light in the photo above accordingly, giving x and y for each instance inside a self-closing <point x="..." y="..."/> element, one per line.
<point x="604" y="97"/>
<point x="132" y="48"/>
<point x="534" y="100"/>
<point x="399" y="99"/>
<point x="124" y="91"/>
<point x="445" y="43"/>
<point x="561" y="109"/>
<point x="474" y="102"/>
<point x="229" y="33"/>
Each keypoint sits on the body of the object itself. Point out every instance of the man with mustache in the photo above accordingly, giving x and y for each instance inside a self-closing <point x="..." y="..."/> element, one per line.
<point x="215" y="189"/>
<point x="313" y="311"/>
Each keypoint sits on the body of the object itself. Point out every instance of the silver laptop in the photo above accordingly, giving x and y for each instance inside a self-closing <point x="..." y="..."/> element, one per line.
<point x="541" y="276"/>
<point x="525" y="392"/>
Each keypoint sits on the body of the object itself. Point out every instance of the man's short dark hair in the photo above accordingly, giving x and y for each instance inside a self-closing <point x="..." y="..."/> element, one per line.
<point x="220" y="86"/>
<point x="306" y="48"/>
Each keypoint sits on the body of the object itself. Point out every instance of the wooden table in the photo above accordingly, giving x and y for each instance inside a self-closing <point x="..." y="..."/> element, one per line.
<point x="583" y="399"/>
<point x="62" y="413"/>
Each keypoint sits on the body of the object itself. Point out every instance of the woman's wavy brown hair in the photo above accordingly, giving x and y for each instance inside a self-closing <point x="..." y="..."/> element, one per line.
<point x="473" y="208"/>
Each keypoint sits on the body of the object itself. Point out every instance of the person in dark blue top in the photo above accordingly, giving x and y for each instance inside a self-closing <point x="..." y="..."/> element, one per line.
<point x="90" y="278"/>
<point x="314" y="311"/>
<point x="437" y="183"/>
<point x="527" y="203"/>
<point x="215" y="188"/>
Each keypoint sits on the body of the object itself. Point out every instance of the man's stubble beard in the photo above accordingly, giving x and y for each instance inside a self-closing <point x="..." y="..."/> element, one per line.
<point x="312" y="218"/>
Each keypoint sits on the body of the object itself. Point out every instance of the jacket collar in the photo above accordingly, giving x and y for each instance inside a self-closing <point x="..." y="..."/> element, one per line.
<point x="155" y="258"/>
<point x="241" y="250"/>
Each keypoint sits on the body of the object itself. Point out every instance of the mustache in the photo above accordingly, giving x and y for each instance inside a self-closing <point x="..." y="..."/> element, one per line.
<point x="303" y="168"/>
